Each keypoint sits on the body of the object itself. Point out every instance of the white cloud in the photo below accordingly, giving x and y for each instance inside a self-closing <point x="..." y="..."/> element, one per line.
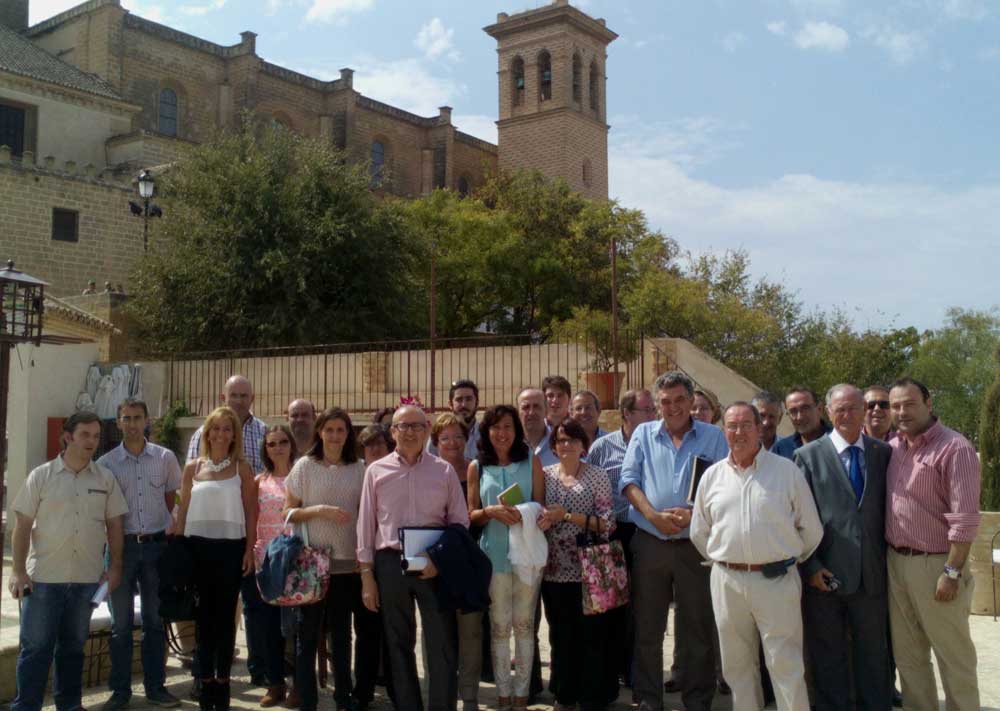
<point x="406" y="83"/>
<point x="822" y="35"/>
<point x="902" y="47"/>
<point x="639" y="44"/>
<point x="962" y="9"/>
<point x="337" y="11"/>
<point x="989" y="54"/>
<point x="733" y="41"/>
<point x="477" y="125"/>
<point x="203" y="8"/>
<point x="811" y="233"/>
<point x="776" y="27"/>
<point x="434" y="40"/>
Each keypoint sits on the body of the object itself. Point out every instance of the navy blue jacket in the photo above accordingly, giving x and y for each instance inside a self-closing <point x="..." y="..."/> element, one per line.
<point x="464" y="571"/>
<point x="281" y="553"/>
<point x="787" y="446"/>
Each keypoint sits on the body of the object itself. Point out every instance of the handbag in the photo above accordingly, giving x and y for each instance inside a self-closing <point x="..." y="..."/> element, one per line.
<point x="306" y="575"/>
<point x="603" y="575"/>
<point x="178" y="599"/>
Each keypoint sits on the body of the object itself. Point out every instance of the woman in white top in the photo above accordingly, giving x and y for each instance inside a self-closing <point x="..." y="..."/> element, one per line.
<point x="218" y="515"/>
<point x="323" y="491"/>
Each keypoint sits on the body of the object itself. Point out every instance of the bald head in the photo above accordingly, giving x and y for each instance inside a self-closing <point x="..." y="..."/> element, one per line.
<point x="237" y="394"/>
<point x="845" y="406"/>
<point x="409" y="429"/>
<point x="302" y="420"/>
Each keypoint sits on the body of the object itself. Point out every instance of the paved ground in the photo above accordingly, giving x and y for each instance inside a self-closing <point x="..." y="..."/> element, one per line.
<point x="985" y="631"/>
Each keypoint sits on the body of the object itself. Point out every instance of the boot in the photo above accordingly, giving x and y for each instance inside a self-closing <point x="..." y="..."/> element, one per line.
<point x="222" y="695"/>
<point x="274" y="696"/>
<point x="206" y="699"/>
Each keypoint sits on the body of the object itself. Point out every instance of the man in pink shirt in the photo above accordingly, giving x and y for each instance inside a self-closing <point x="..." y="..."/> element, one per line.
<point x="410" y="487"/>
<point x="932" y="517"/>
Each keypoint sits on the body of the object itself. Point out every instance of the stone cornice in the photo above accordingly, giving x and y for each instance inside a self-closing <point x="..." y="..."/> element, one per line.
<point x="425" y="122"/>
<point x="556" y="13"/>
<point x="65" y="94"/>
<point x="476" y="142"/>
<point x="528" y="118"/>
<point x="183" y="38"/>
<point x="73" y="12"/>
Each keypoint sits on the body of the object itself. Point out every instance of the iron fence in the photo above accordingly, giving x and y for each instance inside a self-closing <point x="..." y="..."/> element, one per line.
<point x="365" y="377"/>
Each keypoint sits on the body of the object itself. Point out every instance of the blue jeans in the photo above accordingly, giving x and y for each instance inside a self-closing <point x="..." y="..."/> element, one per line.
<point x="55" y="622"/>
<point x="139" y="568"/>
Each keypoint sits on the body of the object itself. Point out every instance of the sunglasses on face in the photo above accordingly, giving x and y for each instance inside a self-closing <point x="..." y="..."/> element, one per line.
<point x="277" y="443"/>
<point x="872" y="404"/>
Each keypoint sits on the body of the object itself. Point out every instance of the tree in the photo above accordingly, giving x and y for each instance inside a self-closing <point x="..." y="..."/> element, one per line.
<point x="273" y="239"/>
<point x="956" y="362"/>
<point x="989" y="443"/>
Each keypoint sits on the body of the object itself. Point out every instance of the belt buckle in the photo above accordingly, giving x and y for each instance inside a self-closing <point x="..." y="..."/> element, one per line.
<point x="141" y="537"/>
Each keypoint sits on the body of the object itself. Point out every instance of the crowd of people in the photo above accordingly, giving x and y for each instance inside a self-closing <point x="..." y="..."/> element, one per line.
<point x="808" y="569"/>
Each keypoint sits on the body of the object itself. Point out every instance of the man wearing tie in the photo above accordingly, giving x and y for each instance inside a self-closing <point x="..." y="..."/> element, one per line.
<point x="846" y="575"/>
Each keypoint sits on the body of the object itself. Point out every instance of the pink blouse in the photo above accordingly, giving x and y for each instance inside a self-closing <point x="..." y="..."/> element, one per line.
<point x="270" y="502"/>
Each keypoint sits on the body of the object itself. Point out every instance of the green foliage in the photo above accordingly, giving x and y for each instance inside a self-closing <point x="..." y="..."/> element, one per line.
<point x="272" y="239"/>
<point x="593" y="330"/>
<point x="165" y="430"/>
<point x="989" y="443"/>
<point x="956" y="362"/>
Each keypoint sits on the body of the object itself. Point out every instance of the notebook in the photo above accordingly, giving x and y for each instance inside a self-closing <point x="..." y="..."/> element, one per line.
<point x="512" y="495"/>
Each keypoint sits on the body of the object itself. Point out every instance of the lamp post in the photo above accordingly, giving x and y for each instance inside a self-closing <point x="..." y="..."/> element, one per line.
<point x="147" y="186"/>
<point x="21" y="304"/>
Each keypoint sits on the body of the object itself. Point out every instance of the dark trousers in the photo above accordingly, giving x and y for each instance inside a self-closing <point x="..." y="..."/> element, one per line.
<point x="265" y="643"/>
<point x="218" y="574"/>
<point x="579" y="648"/>
<point x="341" y="604"/>
<point x="827" y="618"/>
<point x="664" y="572"/>
<point x="622" y="627"/>
<point x="397" y="594"/>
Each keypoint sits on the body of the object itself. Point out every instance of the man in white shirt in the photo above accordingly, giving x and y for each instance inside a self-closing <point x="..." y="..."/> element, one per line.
<point x="754" y="518"/>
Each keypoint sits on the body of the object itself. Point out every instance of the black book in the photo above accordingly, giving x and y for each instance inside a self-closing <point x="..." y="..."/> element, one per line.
<point x="699" y="465"/>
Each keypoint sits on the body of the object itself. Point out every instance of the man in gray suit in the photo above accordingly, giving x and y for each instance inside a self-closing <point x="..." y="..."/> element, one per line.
<point x="846" y="576"/>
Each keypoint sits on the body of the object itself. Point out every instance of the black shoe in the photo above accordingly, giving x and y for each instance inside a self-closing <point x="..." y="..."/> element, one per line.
<point x="222" y="693"/>
<point x="195" y="693"/>
<point x="897" y="698"/>
<point x="118" y="701"/>
<point x="206" y="697"/>
<point x="162" y="697"/>
<point x="724" y="689"/>
<point x="670" y="686"/>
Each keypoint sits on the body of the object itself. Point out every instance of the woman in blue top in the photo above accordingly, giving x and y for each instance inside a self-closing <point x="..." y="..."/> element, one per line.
<point x="505" y="459"/>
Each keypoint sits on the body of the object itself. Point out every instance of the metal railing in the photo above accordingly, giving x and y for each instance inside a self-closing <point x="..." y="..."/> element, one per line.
<point x="365" y="377"/>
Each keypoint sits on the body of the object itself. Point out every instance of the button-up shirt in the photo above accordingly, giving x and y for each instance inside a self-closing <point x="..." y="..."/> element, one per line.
<point x="396" y="494"/>
<point x="253" y="438"/>
<point x="544" y="450"/>
<point x="471" y="444"/>
<point x="786" y="446"/>
<point x="663" y="471"/>
<point x="843" y="448"/>
<point x="145" y="480"/>
<point x="608" y="453"/>
<point x="932" y="496"/>
<point x="762" y="514"/>
<point x="70" y="510"/>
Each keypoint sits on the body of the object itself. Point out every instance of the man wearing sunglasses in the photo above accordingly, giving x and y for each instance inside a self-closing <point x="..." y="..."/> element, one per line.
<point x="878" y="419"/>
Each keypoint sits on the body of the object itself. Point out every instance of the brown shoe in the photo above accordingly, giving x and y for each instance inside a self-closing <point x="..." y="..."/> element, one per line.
<point x="503" y="703"/>
<point x="274" y="696"/>
<point x="293" y="700"/>
<point x="520" y="703"/>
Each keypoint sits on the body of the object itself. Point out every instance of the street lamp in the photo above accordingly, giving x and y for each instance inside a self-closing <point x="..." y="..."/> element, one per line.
<point x="21" y="304"/>
<point x="147" y="186"/>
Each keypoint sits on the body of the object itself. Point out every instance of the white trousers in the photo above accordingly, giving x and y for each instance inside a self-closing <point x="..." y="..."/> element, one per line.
<point x="512" y="606"/>
<point x="750" y="609"/>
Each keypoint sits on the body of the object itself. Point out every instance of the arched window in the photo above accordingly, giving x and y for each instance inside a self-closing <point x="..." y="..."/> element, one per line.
<point x="544" y="76"/>
<point x="167" y="121"/>
<point x="463" y="186"/>
<point x="577" y="78"/>
<point x="595" y="87"/>
<point x="517" y="81"/>
<point x="377" y="164"/>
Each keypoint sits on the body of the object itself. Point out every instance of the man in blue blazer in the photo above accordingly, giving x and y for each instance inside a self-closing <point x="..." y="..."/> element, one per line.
<point x="845" y="598"/>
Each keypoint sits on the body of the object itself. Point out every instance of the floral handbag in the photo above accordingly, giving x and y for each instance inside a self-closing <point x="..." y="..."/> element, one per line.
<point x="307" y="578"/>
<point x="603" y="575"/>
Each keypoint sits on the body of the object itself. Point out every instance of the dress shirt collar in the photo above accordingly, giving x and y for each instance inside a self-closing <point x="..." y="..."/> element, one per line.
<point x="752" y="467"/>
<point x="62" y="466"/>
<point x="661" y="430"/>
<point x="841" y="444"/>
<point x="403" y="463"/>
<point x="121" y="452"/>
<point x="928" y="435"/>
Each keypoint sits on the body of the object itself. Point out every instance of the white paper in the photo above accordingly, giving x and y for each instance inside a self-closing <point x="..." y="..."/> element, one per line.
<point x="101" y="595"/>
<point x="417" y="540"/>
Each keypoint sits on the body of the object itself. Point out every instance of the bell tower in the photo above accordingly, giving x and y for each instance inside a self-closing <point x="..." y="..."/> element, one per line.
<point x="553" y="111"/>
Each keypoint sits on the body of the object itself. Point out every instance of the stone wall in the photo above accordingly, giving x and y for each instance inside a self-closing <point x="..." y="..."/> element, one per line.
<point x="110" y="237"/>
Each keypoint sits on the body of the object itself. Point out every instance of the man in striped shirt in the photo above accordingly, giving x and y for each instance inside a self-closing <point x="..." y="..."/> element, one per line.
<point x="237" y="395"/>
<point x="149" y="477"/>
<point x="932" y="517"/>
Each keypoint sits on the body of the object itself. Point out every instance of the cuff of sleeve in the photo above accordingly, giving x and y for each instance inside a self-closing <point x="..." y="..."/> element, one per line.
<point x="811" y="566"/>
<point x="963" y="527"/>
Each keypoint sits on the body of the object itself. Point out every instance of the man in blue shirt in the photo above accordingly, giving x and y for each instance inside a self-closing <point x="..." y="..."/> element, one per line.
<point x="656" y="476"/>
<point x="802" y="406"/>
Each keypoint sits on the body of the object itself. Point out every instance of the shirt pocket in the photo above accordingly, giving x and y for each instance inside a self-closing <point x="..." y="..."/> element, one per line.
<point x="96" y="503"/>
<point x="158" y="479"/>
<point x="771" y="507"/>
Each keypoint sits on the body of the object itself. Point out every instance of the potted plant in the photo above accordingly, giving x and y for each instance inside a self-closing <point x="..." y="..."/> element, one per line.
<point x="592" y="329"/>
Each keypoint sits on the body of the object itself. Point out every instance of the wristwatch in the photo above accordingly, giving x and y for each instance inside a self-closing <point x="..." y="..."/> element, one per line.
<point x="566" y="516"/>
<point x="952" y="573"/>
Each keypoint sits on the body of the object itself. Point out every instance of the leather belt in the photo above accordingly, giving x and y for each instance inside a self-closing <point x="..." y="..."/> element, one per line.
<point x="146" y="537"/>
<point x="745" y="567"/>
<point x="905" y="550"/>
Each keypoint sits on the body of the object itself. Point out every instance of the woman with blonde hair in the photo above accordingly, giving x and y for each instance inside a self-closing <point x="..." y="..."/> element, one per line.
<point x="218" y="516"/>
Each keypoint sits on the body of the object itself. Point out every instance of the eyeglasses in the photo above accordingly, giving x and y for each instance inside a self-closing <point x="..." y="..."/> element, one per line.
<point x="277" y="443"/>
<point x="872" y="404"/>
<point x="736" y="427"/>
<point x="410" y="426"/>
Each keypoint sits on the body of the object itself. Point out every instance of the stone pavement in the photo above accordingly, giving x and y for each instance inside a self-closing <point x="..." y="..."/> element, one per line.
<point x="985" y="631"/>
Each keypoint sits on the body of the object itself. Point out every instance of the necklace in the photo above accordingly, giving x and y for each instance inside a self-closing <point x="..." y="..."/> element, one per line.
<point x="216" y="468"/>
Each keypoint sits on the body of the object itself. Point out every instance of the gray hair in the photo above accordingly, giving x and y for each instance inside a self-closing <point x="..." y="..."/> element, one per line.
<point x="592" y="395"/>
<point x="629" y="398"/>
<point x="766" y="397"/>
<point x="839" y="387"/>
<point x="673" y="379"/>
<point x="744" y="403"/>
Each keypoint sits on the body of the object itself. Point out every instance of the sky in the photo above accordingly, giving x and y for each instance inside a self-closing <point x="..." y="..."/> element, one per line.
<point x="850" y="147"/>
